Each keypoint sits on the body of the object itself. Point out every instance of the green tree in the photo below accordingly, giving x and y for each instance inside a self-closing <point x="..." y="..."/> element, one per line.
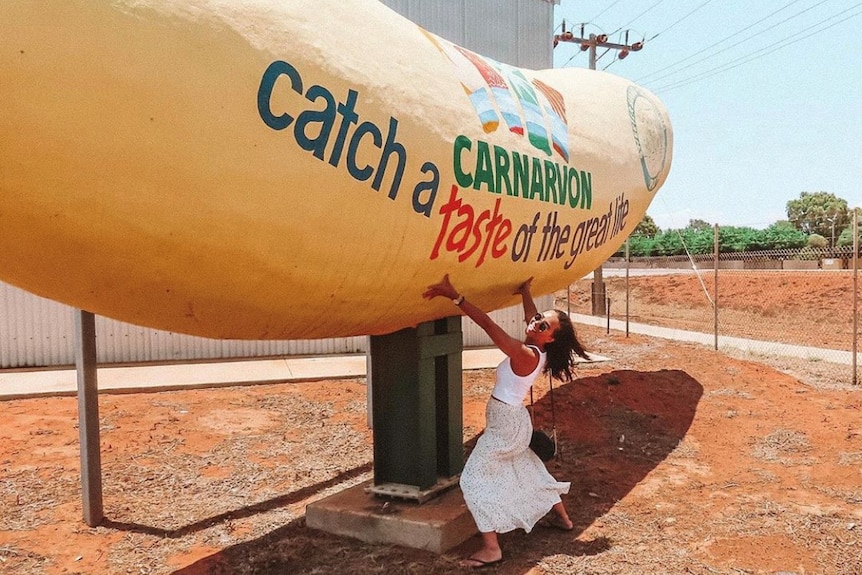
<point x="783" y="235"/>
<point x="668" y="243"/>
<point x="639" y="246"/>
<point x="845" y="239"/>
<point x="739" y="239"/>
<point x="647" y="227"/>
<point x="699" y="239"/>
<point x="756" y="240"/>
<point x="641" y="239"/>
<point x="699" y="225"/>
<point x="819" y="213"/>
<point x="817" y="241"/>
<point x="729" y="240"/>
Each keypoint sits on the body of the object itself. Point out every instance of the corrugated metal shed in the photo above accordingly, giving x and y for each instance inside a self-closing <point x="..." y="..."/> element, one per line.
<point x="516" y="32"/>
<point x="35" y="332"/>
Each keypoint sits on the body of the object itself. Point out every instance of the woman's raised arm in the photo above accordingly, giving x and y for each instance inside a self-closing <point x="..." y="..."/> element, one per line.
<point x="527" y="299"/>
<point x="514" y="348"/>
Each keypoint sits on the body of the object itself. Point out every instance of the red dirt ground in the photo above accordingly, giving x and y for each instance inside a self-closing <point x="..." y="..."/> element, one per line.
<point x="682" y="460"/>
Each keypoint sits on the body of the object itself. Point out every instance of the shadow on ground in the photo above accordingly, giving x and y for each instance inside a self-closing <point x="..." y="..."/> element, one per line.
<point x="614" y="429"/>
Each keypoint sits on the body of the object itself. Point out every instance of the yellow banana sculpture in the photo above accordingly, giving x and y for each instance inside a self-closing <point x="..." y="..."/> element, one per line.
<point x="262" y="169"/>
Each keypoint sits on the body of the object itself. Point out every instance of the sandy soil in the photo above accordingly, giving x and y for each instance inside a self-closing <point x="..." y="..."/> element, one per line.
<point x="682" y="460"/>
<point x="802" y="308"/>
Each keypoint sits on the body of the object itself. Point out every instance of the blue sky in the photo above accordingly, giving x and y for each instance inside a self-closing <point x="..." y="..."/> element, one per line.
<point x="765" y="98"/>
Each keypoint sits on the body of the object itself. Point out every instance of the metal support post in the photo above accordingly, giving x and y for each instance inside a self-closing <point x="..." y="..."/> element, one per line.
<point x="417" y="410"/>
<point x="88" y="417"/>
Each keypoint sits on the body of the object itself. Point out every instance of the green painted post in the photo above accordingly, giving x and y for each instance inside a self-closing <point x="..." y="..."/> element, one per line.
<point x="446" y="348"/>
<point x="416" y="404"/>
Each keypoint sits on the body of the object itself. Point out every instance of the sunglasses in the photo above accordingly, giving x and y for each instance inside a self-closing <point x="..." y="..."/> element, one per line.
<point x="542" y="325"/>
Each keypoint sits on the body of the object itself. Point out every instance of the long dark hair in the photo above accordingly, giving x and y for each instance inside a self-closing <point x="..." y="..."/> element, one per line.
<point x="561" y="352"/>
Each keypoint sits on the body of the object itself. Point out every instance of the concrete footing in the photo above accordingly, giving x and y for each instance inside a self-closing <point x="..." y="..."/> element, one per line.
<point x="436" y="525"/>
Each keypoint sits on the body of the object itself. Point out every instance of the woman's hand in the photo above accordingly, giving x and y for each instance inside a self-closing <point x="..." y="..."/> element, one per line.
<point x="443" y="288"/>
<point x="513" y="347"/>
<point x="524" y="288"/>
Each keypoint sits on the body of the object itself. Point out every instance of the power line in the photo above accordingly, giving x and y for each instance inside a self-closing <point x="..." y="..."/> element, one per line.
<point x="786" y="41"/>
<point x="656" y="35"/>
<point x="566" y="63"/>
<point x="597" y="41"/>
<point x="558" y="38"/>
<point x="736" y="63"/>
<point x="616" y="57"/>
<point x="725" y="39"/>
<point x="636" y="17"/>
<point x="603" y="11"/>
<point x="783" y="43"/>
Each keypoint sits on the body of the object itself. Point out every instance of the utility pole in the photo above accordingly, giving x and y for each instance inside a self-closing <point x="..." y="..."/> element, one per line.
<point x="591" y="43"/>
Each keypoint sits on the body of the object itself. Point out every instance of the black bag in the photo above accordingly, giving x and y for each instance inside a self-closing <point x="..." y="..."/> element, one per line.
<point x="543" y="446"/>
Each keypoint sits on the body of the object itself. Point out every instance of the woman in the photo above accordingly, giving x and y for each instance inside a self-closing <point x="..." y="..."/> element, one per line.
<point x="505" y="485"/>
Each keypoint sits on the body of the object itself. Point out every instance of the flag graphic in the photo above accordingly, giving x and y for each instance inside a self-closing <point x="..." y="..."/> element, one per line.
<point x="536" y="130"/>
<point x="500" y="90"/>
<point x="555" y="108"/>
<point x="473" y="82"/>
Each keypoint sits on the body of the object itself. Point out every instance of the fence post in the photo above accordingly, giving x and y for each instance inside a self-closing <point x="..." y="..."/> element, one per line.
<point x="628" y="264"/>
<point x="608" y="300"/>
<point x="599" y="292"/>
<point x="855" y="292"/>
<point x="715" y="296"/>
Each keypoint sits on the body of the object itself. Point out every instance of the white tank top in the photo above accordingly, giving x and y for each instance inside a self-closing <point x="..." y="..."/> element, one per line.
<point x="511" y="388"/>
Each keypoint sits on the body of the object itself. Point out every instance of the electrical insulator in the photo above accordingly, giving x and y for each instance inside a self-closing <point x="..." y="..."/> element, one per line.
<point x="637" y="46"/>
<point x="623" y="53"/>
<point x="602" y="38"/>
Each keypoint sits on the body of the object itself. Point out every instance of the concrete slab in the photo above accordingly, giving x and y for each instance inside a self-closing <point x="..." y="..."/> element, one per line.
<point x="725" y="342"/>
<point x="16" y="384"/>
<point x="324" y="367"/>
<point x="19" y="384"/>
<point x="437" y="525"/>
<point x="481" y="358"/>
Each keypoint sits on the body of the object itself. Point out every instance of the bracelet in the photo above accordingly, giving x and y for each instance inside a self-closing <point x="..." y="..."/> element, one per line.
<point x="458" y="300"/>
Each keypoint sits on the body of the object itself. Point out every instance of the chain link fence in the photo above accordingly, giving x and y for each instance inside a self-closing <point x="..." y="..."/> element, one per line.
<point x="795" y="310"/>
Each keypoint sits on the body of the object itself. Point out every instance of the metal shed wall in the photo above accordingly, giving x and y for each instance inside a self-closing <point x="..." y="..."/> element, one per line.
<point x="516" y="32"/>
<point x="35" y="332"/>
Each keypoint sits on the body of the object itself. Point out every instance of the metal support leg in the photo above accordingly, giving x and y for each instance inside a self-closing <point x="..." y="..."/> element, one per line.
<point x="417" y="409"/>
<point x="88" y="417"/>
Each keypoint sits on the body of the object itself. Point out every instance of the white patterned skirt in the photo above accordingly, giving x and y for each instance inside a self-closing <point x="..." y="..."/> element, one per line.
<point x="505" y="485"/>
